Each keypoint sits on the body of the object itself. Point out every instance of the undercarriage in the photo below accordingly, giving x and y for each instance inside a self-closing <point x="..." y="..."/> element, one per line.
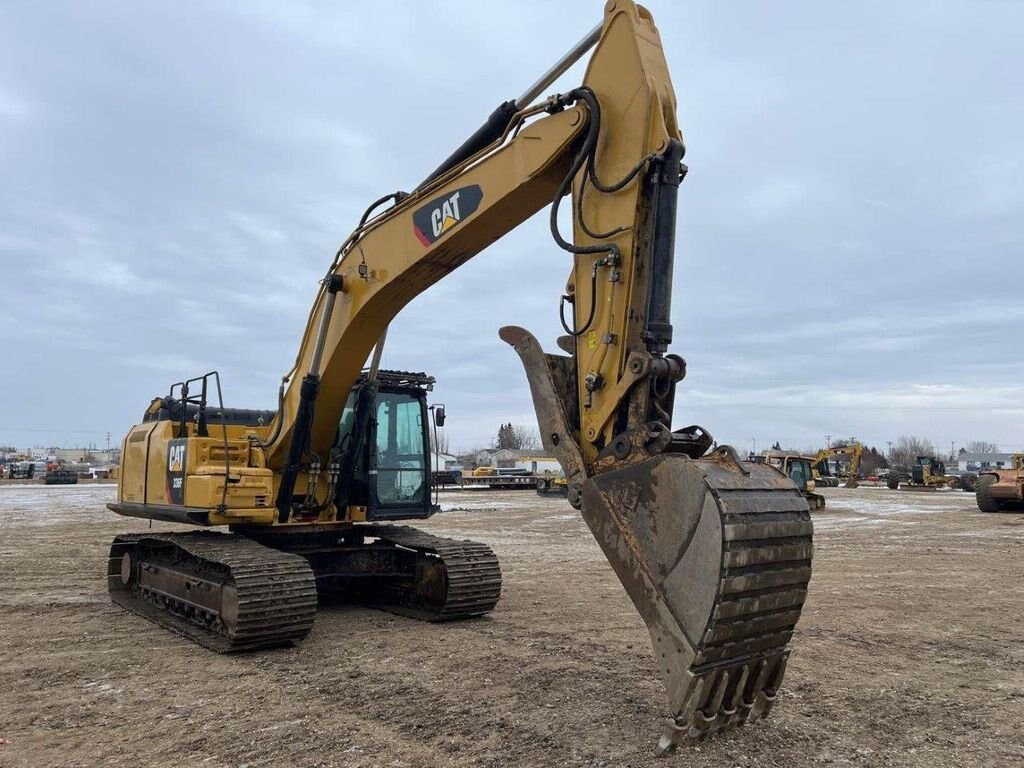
<point x="258" y="589"/>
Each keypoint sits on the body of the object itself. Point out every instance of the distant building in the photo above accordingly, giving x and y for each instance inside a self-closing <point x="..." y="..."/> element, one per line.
<point x="973" y="462"/>
<point x="443" y="461"/>
<point x="85" y="456"/>
<point x="537" y="462"/>
<point x="483" y="458"/>
<point x="534" y="461"/>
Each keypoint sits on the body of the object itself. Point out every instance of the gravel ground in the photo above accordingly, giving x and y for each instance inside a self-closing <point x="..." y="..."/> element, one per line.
<point x="909" y="653"/>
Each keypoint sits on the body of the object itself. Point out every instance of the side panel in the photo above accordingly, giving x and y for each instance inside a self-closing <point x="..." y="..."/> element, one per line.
<point x="157" y="487"/>
<point x="132" y="485"/>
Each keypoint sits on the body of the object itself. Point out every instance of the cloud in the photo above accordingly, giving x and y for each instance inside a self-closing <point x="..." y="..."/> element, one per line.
<point x="172" y="365"/>
<point x="176" y="184"/>
<point x="103" y="272"/>
<point x="12" y="106"/>
<point x="257" y="228"/>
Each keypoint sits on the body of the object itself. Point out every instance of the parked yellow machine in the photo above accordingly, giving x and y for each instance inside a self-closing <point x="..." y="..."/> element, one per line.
<point x="824" y="477"/>
<point x="1001" y="490"/>
<point x="553" y="485"/>
<point x="927" y="474"/>
<point x="715" y="553"/>
<point x="799" y="469"/>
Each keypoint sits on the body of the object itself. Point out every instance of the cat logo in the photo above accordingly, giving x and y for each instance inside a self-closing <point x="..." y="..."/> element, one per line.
<point x="176" y="457"/>
<point x="440" y="216"/>
<point x="176" y="471"/>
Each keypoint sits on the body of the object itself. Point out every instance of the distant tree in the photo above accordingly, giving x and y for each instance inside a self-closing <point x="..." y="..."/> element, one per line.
<point x="442" y="444"/>
<point x="516" y="437"/>
<point x="526" y="438"/>
<point x="981" y="446"/>
<point x="506" y="437"/>
<point x="908" y="448"/>
<point x="871" y="461"/>
<point x="842" y="442"/>
<point x="776" y="447"/>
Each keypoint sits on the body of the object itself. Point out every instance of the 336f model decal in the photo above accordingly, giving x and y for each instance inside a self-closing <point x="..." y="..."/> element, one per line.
<point x="176" y="471"/>
<point x="442" y="214"/>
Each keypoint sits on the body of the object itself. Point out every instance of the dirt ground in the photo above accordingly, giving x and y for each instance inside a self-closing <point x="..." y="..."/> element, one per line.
<point x="910" y="652"/>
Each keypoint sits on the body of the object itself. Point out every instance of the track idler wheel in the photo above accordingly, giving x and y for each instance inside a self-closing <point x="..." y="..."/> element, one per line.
<point x="716" y="556"/>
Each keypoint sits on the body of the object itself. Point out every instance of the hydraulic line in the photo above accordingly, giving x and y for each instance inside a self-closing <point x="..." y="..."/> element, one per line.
<point x="593" y="306"/>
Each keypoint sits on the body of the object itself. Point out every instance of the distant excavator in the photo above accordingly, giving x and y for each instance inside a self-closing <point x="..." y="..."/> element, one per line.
<point x="798" y="468"/>
<point x="823" y="475"/>
<point x="714" y="552"/>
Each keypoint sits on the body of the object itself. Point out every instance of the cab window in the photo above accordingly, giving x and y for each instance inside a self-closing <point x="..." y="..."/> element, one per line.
<point x="800" y="473"/>
<point x="400" y="455"/>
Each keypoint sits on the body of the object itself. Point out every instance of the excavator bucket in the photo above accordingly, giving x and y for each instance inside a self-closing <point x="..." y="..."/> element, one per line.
<point x="715" y="554"/>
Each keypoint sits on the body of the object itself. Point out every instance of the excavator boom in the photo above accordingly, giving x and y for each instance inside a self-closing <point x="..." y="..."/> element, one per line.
<point x="715" y="553"/>
<point x="853" y="450"/>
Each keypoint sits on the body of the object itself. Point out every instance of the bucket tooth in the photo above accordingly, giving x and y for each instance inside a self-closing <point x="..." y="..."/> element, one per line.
<point x="716" y="556"/>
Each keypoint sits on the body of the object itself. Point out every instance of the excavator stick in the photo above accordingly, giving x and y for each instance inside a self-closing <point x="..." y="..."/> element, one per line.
<point x="716" y="556"/>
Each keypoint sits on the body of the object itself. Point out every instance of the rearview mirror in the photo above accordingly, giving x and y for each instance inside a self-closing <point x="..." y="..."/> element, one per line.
<point x="439" y="415"/>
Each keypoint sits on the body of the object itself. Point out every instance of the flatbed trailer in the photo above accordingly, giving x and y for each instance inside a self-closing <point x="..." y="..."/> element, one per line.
<point x="497" y="482"/>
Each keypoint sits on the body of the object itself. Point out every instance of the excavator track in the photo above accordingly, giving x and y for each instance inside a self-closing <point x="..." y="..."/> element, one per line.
<point x="471" y="573"/>
<point x="395" y="568"/>
<point x="223" y="591"/>
<point x="716" y="555"/>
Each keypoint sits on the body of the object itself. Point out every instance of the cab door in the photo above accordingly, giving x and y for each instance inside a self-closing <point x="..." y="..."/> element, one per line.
<point x="399" y="470"/>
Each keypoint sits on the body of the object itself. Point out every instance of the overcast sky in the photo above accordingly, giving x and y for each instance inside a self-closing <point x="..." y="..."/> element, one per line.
<point x="176" y="178"/>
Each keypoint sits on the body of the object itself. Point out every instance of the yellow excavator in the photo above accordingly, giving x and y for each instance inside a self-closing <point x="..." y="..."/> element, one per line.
<point x="823" y="475"/>
<point x="799" y="469"/>
<point x="714" y="552"/>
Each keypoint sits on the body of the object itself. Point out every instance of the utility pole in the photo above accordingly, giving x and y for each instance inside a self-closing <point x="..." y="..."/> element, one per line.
<point x="754" y="441"/>
<point x="952" y="450"/>
<point x="108" y="442"/>
<point x="889" y="443"/>
<point x="828" y="441"/>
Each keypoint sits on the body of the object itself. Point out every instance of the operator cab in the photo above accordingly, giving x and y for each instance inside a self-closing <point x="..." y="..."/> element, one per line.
<point x="926" y="466"/>
<point x="797" y="468"/>
<point x="384" y="443"/>
<point x="800" y="472"/>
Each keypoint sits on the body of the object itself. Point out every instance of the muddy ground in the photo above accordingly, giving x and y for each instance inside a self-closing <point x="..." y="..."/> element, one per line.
<point x="910" y="652"/>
